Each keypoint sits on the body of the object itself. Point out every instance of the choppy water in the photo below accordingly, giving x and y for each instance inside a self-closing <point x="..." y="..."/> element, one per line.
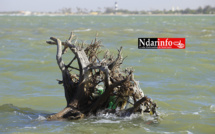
<point x="182" y="82"/>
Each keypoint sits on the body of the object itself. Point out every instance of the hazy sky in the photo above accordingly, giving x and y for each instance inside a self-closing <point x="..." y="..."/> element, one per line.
<point x="55" y="5"/>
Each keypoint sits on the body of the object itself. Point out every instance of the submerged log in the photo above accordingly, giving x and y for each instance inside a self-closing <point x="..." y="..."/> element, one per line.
<point x="119" y="92"/>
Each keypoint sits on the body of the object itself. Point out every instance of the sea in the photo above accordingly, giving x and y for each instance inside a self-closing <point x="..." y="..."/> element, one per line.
<point x="180" y="81"/>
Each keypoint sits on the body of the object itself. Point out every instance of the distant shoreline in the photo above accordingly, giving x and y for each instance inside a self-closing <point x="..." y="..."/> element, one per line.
<point x="111" y="11"/>
<point x="106" y="15"/>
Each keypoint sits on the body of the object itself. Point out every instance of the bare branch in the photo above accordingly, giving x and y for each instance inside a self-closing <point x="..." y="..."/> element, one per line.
<point x="60" y="114"/>
<point x="59" y="53"/>
<point x="70" y="38"/>
<point x="117" y="61"/>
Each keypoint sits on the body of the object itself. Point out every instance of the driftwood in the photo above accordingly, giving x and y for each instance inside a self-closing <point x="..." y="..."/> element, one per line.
<point x="121" y="94"/>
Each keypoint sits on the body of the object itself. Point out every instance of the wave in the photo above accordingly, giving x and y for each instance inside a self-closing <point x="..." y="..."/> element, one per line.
<point x="19" y="119"/>
<point x="105" y="118"/>
<point x="21" y="112"/>
<point x="40" y="115"/>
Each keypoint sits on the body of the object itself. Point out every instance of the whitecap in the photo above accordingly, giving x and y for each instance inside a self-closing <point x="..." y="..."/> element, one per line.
<point x="183" y="113"/>
<point x="129" y="30"/>
<point x="41" y="118"/>
<point x="21" y="114"/>
<point x="83" y="30"/>
<point x="212" y="108"/>
<point x="188" y="132"/>
<point x="204" y="30"/>
<point x="195" y="113"/>
<point x="147" y="129"/>
<point x="207" y="35"/>
<point x="30" y="127"/>
<point x="42" y="61"/>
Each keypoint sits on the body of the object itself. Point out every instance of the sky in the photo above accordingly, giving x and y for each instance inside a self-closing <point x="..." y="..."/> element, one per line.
<point x="55" y="5"/>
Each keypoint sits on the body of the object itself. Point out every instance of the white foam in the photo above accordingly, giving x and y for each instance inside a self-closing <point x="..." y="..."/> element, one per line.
<point x="188" y="132"/>
<point x="168" y="132"/>
<point x="109" y="117"/>
<point x="204" y="30"/>
<point x="41" y="118"/>
<point x="106" y="121"/>
<point x="21" y="114"/>
<point x="84" y="30"/>
<point x="147" y="129"/>
<point x="30" y="127"/>
<point x="129" y="30"/>
<point x="208" y="35"/>
<point x="212" y="108"/>
<point x="195" y="113"/>
<point x="42" y="61"/>
<point x="132" y="116"/>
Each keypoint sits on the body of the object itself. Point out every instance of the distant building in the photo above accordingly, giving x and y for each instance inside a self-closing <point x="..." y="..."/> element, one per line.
<point x="116" y="7"/>
<point x="94" y="13"/>
<point x="173" y="8"/>
<point x="177" y="8"/>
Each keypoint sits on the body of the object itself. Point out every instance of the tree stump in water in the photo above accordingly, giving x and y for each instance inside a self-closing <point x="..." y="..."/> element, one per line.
<point x="100" y="84"/>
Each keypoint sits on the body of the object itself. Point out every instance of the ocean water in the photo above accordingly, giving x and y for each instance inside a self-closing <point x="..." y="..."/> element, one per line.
<point x="182" y="82"/>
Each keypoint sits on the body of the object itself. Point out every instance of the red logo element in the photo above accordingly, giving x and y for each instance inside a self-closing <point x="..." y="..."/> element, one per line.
<point x="171" y="43"/>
